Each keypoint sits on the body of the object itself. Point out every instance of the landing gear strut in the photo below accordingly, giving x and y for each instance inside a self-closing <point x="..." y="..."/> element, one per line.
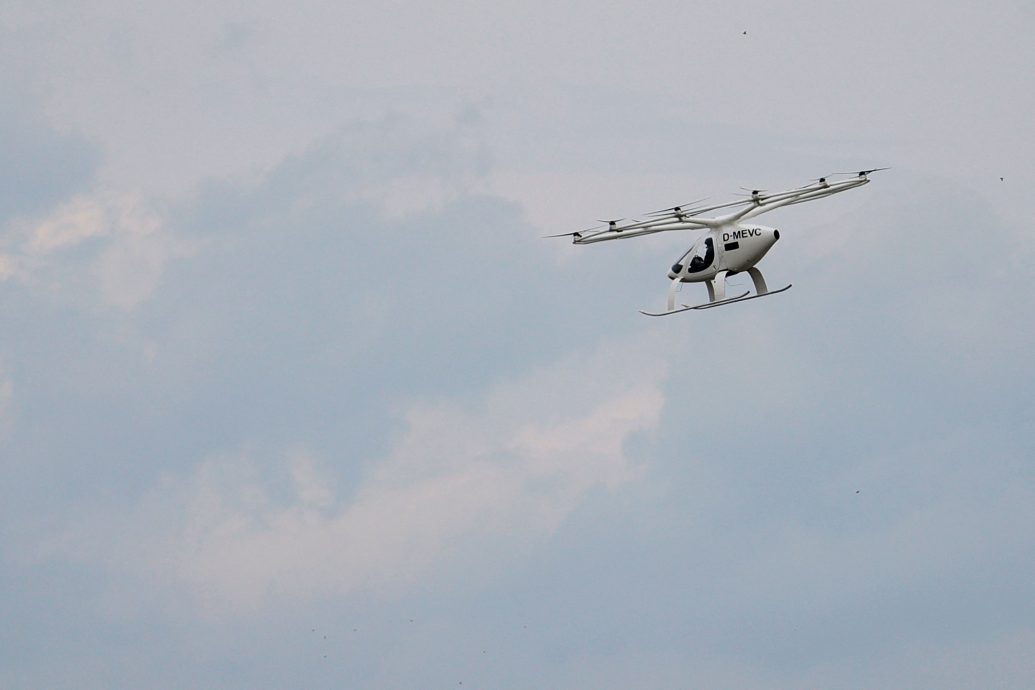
<point x="717" y="293"/>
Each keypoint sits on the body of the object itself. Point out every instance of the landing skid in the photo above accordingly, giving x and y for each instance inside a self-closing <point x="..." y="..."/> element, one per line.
<point x="719" y="303"/>
<point x="706" y="305"/>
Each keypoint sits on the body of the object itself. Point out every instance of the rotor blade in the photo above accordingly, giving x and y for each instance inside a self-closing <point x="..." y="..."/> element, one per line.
<point x="864" y="173"/>
<point x="577" y="232"/>
<point x="755" y="194"/>
<point x="632" y="224"/>
<point x="675" y="209"/>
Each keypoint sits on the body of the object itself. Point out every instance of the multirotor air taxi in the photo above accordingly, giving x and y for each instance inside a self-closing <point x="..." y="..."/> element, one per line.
<point x="729" y="245"/>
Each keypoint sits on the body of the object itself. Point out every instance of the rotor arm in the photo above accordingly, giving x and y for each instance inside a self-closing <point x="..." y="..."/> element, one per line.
<point x="688" y="217"/>
<point x="759" y="202"/>
<point x="636" y="230"/>
<point x="797" y="196"/>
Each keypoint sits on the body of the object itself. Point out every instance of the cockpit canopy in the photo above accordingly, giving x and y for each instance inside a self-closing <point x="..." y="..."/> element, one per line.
<point x="700" y="256"/>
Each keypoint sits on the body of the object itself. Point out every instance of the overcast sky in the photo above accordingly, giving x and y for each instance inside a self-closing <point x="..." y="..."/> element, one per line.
<point x="294" y="394"/>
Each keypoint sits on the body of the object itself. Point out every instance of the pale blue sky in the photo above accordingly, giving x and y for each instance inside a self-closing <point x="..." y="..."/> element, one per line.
<point x="294" y="394"/>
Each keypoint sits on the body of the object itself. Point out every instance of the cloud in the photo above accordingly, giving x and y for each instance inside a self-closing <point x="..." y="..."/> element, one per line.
<point x="493" y="475"/>
<point x="130" y="268"/>
<point x="113" y="246"/>
<point x="72" y="223"/>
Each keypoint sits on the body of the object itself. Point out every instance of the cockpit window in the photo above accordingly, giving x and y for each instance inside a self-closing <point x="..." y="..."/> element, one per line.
<point x="701" y="256"/>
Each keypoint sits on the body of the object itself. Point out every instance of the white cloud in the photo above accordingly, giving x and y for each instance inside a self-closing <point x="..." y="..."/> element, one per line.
<point x="128" y="271"/>
<point x="312" y="482"/>
<point x="122" y="269"/>
<point x="494" y="475"/>
<point x="69" y="225"/>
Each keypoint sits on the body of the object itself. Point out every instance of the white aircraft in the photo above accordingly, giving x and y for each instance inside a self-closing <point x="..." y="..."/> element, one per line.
<point x="729" y="246"/>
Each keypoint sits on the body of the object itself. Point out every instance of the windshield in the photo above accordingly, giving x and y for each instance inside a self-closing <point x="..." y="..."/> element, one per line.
<point x="700" y="255"/>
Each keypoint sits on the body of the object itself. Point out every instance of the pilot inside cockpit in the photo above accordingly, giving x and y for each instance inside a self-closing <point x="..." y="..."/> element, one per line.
<point x="700" y="256"/>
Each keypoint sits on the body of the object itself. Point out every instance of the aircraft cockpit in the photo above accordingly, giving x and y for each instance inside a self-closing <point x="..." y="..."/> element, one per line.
<point x="700" y="257"/>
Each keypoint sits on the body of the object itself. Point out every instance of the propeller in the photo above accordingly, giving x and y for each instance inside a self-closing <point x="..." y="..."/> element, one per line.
<point x="756" y="194"/>
<point x="864" y="173"/>
<point x="612" y="224"/>
<point x="578" y="233"/>
<point x="678" y="211"/>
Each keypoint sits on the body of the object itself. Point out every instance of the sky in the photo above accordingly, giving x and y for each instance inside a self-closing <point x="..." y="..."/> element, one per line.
<point x="293" y="392"/>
